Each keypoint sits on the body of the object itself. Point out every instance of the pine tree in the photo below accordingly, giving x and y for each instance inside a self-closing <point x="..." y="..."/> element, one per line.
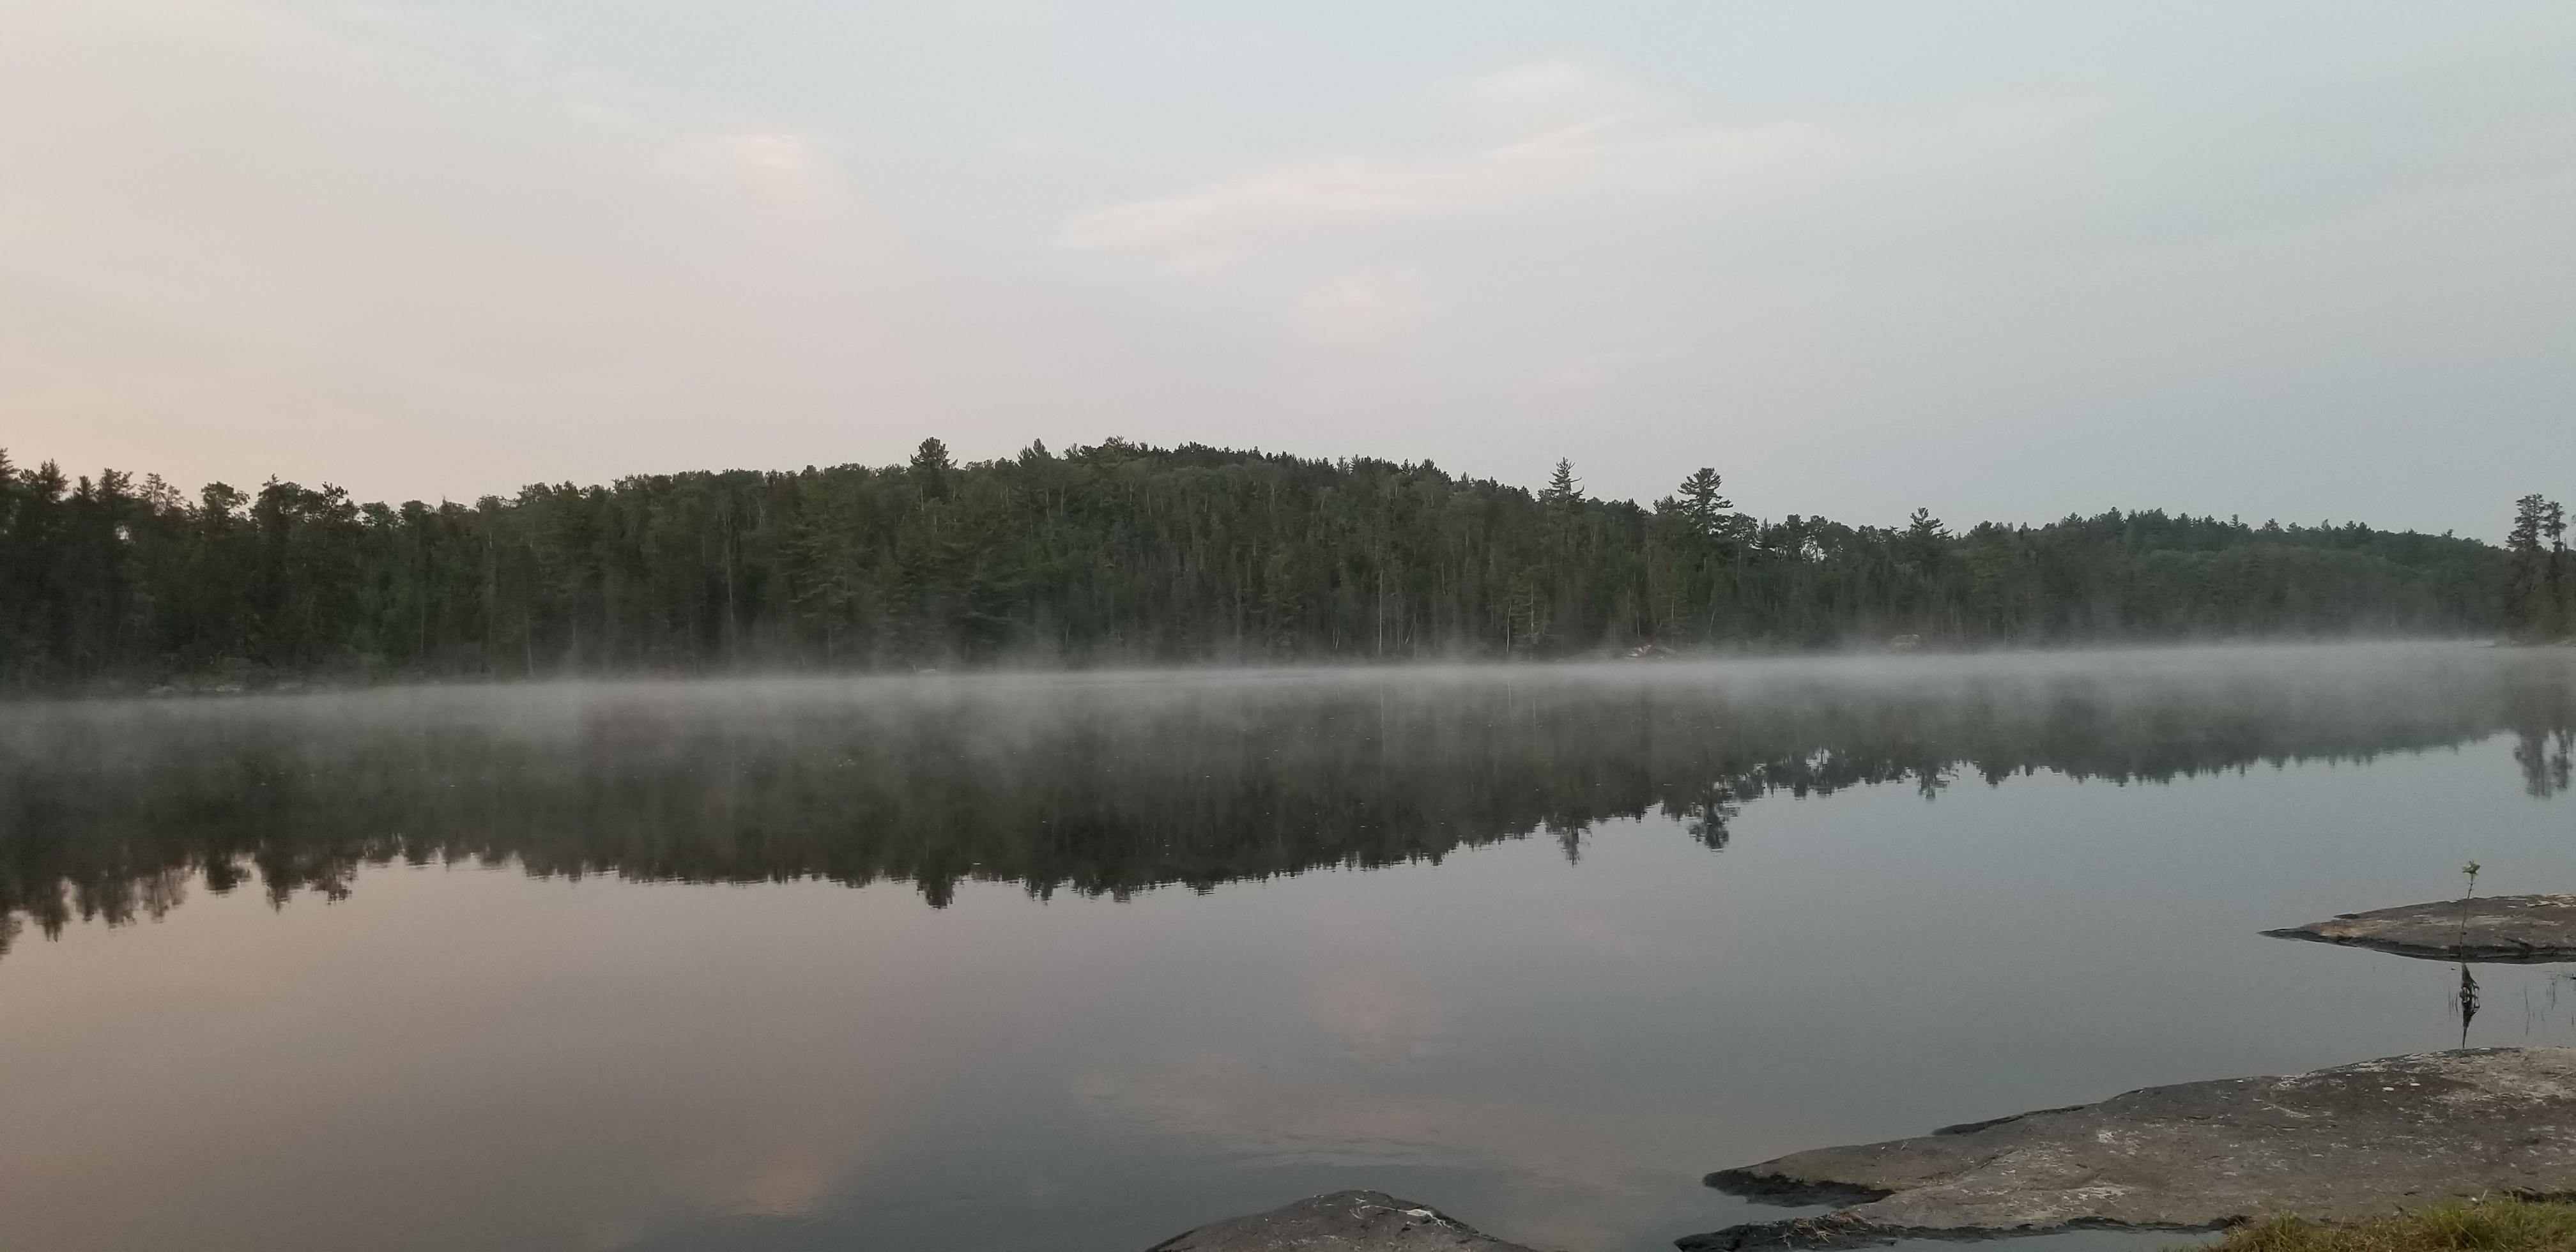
<point x="2553" y="528"/>
<point x="2528" y="598"/>
<point x="1703" y="510"/>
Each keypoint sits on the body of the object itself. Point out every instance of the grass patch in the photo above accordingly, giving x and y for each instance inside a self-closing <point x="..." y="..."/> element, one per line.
<point x="2499" y="1225"/>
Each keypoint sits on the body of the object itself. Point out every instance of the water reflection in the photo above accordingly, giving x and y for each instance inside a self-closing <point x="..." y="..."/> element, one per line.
<point x="2543" y="750"/>
<point x="1108" y="786"/>
<point x="502" y="1058"/>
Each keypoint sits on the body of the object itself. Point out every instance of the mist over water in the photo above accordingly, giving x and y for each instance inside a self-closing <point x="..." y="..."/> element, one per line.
<point x="1116" y="783"/>
<point x="582" y="964"/>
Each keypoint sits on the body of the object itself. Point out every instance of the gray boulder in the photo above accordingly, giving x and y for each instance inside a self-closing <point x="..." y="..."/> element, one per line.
<point x="1344" y="1221"/>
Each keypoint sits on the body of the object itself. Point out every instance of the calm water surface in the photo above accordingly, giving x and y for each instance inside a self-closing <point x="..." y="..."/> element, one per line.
<point x="1078" y="963"/>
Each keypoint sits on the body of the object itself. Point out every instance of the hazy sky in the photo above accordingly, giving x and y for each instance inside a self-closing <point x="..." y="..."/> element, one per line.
<point x="2002" y="260"/>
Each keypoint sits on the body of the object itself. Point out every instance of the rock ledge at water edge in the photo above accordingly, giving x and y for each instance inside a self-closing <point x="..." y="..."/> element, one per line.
<point x="1344" y="1221"/>
<point x="2336" y="1144"/>
<point x="2493" y="928"/>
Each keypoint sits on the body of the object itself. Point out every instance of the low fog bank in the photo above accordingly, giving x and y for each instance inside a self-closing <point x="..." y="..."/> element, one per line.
<point x="1850" y="653"/>
<point x="1111" y="783"/>
<point x="1905" y="663"/>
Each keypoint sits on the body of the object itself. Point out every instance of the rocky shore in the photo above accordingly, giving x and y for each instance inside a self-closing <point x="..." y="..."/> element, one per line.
<point x="2335" y="1144"/>
<point x="2517" y="929"/>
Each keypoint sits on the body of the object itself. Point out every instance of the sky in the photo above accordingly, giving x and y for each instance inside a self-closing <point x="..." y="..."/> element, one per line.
<point x="1998" y="260"/>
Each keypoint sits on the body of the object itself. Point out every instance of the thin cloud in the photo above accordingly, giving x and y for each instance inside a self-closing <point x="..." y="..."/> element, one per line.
<point x="1365" y="306"/>
<point x="1608" y="364"/>
<point x="756" y="155"/>
<point x="773" y="152"/>
<point x="1544" y="95"/>
<point x="1562" y="147"/>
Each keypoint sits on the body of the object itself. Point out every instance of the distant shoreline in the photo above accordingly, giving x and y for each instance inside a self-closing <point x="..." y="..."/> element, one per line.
<point x="1123" y="554"/>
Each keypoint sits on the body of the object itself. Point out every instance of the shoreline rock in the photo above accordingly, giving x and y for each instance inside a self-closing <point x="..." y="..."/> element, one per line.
<point x="2487" y="929"/>
<point x="1343" y="1221"/>
<point x="2334" y="1144"/>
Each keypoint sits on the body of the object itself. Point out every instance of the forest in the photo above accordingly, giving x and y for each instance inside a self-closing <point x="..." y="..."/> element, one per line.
<point x="1118" y="553"/>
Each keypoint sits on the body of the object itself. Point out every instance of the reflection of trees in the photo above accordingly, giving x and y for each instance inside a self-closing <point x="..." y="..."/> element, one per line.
<point x="2543" y="738"/>
<point x="1111" y="787"/>
<point x="2543" y="754"/>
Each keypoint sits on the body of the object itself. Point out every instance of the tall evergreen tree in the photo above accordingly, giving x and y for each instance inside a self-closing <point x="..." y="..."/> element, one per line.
<point x="2534" y="547"/>
<point x="2558" y="584"/>
<point x="1702" y="508"/>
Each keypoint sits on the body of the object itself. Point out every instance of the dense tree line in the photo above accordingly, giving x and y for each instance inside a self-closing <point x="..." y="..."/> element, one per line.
<point x="1106" y="786"/>
<point x="1115" y="553"/>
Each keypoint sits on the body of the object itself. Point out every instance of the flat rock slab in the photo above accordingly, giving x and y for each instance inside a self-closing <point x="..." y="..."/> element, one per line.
<point x="1345" y="1221"/>
<point x="2336" y="1144"/>
<point x="2489" y="928"/>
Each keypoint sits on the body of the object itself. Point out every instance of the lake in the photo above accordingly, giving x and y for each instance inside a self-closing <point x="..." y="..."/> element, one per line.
<point x="1077" y="962"/>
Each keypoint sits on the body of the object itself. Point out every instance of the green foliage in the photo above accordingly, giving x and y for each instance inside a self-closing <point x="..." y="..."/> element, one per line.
<point x="2540" y="595"/>
<point x="1115" y="553"/>
<point x="2501" y="1224"/>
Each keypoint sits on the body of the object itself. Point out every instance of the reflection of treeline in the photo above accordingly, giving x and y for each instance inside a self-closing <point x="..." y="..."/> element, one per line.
<point x="1110" y="553"/>
<point x="1109" y="787"/>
